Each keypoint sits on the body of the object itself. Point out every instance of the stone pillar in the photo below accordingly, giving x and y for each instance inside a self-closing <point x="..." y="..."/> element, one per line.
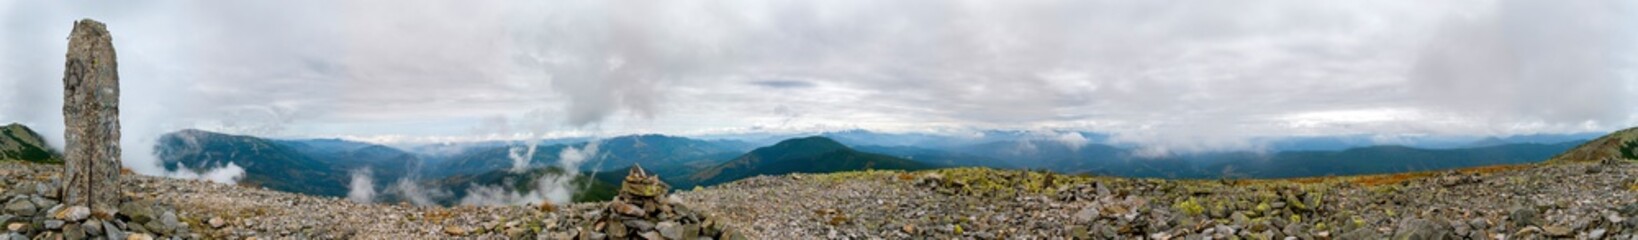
<point x="91" y="120"/>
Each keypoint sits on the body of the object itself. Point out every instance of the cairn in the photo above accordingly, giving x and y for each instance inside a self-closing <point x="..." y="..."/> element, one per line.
<point x="644" y="210"/>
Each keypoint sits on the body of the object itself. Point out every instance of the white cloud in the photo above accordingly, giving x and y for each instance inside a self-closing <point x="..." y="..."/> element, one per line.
<point x="1073" y="140"/>
<point x="229" y="174"/>
<point x="361" y="189"/>
<point x="1180" y="76"/>
<point x="556" y="188"/>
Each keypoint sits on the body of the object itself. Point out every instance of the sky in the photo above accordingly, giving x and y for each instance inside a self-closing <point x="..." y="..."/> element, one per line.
<point x="1185" y="75"/>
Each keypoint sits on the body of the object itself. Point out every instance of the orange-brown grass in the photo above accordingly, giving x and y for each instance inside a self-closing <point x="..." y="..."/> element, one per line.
<point x="437" y="216"/>
<point x="1395" y="178"/>
<point x="1385" y="179"/>
<point x="1494" y="169"/>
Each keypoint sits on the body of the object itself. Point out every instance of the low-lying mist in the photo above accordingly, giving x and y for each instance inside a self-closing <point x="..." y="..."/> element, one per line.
<point x="556" y="188"/>
<point x="546" y="186"/>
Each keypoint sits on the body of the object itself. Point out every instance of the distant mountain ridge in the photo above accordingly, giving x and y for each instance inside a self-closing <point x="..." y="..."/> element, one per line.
<point x="801" y="155"/>
<point x="655" y="152"/>
<point x="18" y="142"/>
<point x="1125" y="162"/>
<point x="322" y="166"/>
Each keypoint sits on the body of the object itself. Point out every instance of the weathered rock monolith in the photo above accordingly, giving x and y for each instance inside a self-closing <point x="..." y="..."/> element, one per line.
<point x="91" y="120"/>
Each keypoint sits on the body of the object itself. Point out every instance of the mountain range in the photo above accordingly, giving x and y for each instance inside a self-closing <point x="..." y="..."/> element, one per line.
<point x="324" y="166"/>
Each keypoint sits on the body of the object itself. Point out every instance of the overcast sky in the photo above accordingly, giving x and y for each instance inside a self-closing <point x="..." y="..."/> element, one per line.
<point x="1182" y="74"/>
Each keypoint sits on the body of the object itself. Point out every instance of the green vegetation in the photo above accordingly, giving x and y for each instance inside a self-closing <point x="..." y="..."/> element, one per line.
<point x="18" y="142"/>
<point x="1617" y="145"/>
<point x="979" y="181"/>
<point x="266" y="163"/>
<point x="801" y="155"/>
<point x="587" y="187"/>
<point x="1630" y="150"/>
<point x="1191" y="207"/>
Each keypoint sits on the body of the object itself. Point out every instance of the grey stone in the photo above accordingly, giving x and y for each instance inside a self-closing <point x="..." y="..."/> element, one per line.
<point x="137" y="211"/>
<point x="1079" y="232"/>
<point x="1557" y="231"/>
<point x="91" y="118"/>
<point x="1087" y="214"/>
<point x="54" y="224"/>
<point x="92" y="227"/>
<point x="138" y="228"/>
<point x="113" y="233"/>
<point x="1413" y="228"/>
<point x="42" y="202"/>
<point x="50" y="210"/>
<point x="217" y="222"/>
<point x="169" y="221"/>
<point x="21" y="207"/>
<point x="1527" y="231"/>
<point x="640" y="225"/>
<point x="1522" y="217"/>
<point x="72" y="231"/>
<point x="1631" y="209"/>
<point x="691" y="231"/>
<point x="651" y="235"/>
<point x="1462" y="229"/>
<point x="73" y="214"/>
<point x="1479" y="224"/>
<point x="670" y="230"/>
<point x="1361" y="233"/>
<point x="156" y="228"/>
<point x="49" y="190"/>
<point x="616" y="230"/>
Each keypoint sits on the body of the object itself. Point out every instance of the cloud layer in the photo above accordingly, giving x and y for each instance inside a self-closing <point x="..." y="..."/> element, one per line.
<point x="1174" y="75"/>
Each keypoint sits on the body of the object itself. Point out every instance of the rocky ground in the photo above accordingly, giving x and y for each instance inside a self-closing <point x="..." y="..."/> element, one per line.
<point x="1567" y="201"/>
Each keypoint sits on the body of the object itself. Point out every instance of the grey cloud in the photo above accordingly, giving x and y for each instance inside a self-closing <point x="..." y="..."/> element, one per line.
<point x="783" y="84"/>
<point x="1555" y="62"/>
<point x="1179" y="75"/>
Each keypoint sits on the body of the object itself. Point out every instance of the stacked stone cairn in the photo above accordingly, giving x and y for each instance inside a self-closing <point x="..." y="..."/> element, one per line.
<point x="643" y="210"/>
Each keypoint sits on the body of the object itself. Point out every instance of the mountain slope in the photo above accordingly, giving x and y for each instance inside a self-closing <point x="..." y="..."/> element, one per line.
<point x="800" y="155"/>
<point x="386" y="164"/>
<point x="266" y="163"/>
<point x="587" y="188"/>
<point x="1621" y="144"/>
<point x="654" y="152"/>
<point x="938" y="157"/>
<point x="18" y="142"/>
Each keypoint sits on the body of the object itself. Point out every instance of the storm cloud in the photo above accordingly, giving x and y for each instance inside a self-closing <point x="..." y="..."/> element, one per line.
<point x="1171" y="75"/>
